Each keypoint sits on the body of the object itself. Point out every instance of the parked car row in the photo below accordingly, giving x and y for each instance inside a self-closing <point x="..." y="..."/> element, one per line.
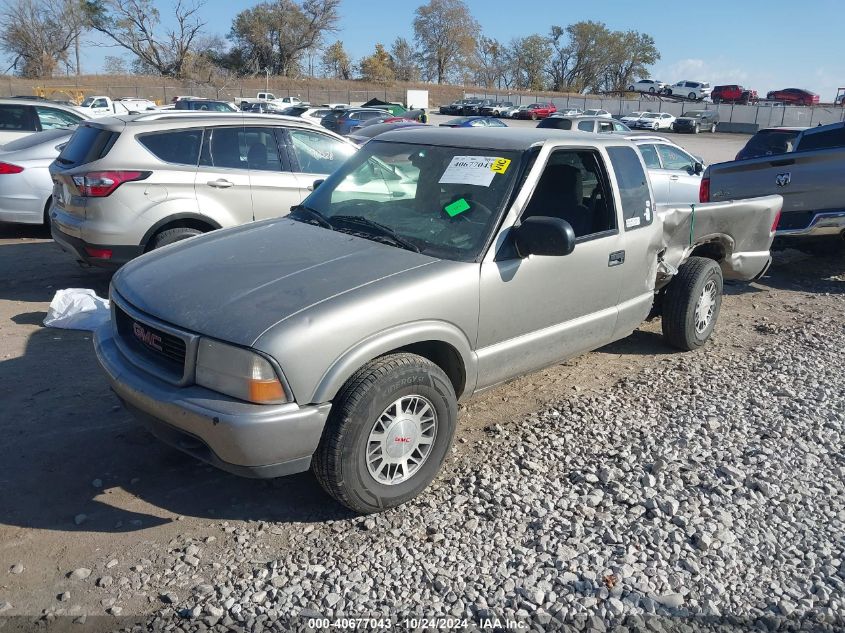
<point x="727" y="93"/>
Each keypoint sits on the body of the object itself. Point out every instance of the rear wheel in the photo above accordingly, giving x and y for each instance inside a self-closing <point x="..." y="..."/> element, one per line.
<point x="692" y="303"/>
<point x="713" y="128"/>
<point x="389" y="431"/>
<point x="533" y="116"/>
<point x="169" y="236"/>
<point x="47" y="206"/>
<point x="697" y="128"/>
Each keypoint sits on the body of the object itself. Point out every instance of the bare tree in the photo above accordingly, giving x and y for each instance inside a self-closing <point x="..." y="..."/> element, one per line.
<point x="135" y="26"/>
<point x="446" y="34"/>
<point x="38" y="34"/>
<point x="277" y="35"/>
<point x="336" y="62"/>
<point x="405" y="60"/>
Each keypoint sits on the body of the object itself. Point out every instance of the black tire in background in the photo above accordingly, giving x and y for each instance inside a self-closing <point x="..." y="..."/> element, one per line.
<point x="170" y="236"/>
<point x="340" y="461"/>
<point x="683" y="295"/>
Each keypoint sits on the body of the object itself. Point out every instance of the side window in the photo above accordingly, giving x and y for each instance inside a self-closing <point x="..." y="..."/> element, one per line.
<point x="16" y="117"/>
<point x="100" y="103"/>
<point x="573" y="187"/>
<point x="618" y="127"/>
<point x="222" y="148"/>
<point x="262" y="152"/>
<point x="585" y="126"/>
<point x="605" y="126"/>
<point x="649" y="152"/>
<point x="51" y="118"/>
<point x="674" y="158"/>
<point x="633" y="187"/>
<point x="317" y="153"/>
<point x="181" y="147"/>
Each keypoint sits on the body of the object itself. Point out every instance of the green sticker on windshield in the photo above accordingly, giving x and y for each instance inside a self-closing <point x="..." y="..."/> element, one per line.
<point x="458" y="206"/>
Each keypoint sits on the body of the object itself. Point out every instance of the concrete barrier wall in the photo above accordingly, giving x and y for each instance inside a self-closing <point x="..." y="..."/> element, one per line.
<point x="745" y="119"/>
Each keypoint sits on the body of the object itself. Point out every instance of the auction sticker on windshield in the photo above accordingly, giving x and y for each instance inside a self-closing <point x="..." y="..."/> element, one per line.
<point x="472" y="170"/>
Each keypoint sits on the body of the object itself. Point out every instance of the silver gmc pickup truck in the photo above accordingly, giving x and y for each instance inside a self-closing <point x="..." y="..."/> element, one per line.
<point x="433" y="264"/>
<point x="811" y="180"/>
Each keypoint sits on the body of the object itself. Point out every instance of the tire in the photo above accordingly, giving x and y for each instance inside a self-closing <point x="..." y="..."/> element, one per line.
<point x="533" y="116"/>
<point x="47" y="206"/>
<point x="696" y="129"/>
<point x="713" y="128"/>
<point x="691" y="96"/>
<point x="171" y="236"/>
<point x="631" y="89"/>
<point x="687" y="324"/>
<point x="651" y="90"/>
<point x="369" y="399"/>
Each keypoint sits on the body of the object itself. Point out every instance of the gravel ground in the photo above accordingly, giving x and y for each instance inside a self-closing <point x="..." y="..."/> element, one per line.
<point x="703" y="487"/>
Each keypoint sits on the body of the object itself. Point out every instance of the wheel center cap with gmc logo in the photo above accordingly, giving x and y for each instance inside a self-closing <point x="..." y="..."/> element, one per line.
<point x="401" y="438"/>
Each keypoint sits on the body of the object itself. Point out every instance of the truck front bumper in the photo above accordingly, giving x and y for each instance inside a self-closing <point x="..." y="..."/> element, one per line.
<point x="250" y="440"/>
<point x="820" y="224"/>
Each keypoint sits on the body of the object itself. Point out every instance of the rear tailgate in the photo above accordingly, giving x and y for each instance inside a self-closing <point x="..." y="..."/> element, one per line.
<point x="809" y="182"/>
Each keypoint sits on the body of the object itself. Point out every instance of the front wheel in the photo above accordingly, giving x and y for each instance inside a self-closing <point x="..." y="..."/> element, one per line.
<point x="651" y="90"/>
<point x="389" y="431"/>
<point x="692" y="303"/>
<point x="691" y="95"/>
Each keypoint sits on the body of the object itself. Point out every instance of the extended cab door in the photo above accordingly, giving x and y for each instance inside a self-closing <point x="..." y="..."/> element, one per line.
<point x="540" y="310"/>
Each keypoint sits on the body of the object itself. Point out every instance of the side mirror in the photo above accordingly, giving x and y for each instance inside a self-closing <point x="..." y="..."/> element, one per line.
<point x="698" y="168"/>
<point x="317" y="183"/>
<point x="543" y="235"/>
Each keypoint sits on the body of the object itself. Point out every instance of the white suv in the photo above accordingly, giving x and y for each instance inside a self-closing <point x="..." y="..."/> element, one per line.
<point x="647" y="85"/>
<point x="125" y="185"/>
<point x="697" y="90"/>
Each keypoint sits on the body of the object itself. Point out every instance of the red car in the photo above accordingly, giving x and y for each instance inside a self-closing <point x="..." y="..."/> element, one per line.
<point x="536" y="111"/>
<point x="794" y="96"/>
<point x="733" y="93"/>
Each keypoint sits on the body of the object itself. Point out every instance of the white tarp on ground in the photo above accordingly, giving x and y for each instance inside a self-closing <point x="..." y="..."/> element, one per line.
<point x="77" y="309"/>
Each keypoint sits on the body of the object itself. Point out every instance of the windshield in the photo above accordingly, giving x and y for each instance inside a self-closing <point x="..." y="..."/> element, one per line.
<point x="87" y="103"/>
<point x="443" y="201"/>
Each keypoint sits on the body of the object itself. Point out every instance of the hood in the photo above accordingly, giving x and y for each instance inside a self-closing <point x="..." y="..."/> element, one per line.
<point x="235" y="284"/>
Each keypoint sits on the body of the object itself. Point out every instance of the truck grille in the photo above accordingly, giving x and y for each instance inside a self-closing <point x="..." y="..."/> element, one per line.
<point x="152" y="343"/>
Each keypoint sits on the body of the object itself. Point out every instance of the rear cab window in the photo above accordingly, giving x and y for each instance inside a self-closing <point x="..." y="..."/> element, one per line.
<point x="88" y="143"/>
<point x="821" y="139"/>
<point x="633" y="187"/>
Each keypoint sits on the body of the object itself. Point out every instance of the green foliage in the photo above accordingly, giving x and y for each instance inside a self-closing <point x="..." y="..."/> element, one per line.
<point x="446" y="34"/>
<point x="378" y="67"/>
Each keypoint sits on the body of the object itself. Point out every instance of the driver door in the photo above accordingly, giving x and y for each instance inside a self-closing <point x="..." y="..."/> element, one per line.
<point x="541" y="310"/>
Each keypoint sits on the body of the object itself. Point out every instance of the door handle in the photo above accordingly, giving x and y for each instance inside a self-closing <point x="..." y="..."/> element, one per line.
<point x="673" y="178"/>
<point x="220" y="183"/>
<point x="616" y="258"/>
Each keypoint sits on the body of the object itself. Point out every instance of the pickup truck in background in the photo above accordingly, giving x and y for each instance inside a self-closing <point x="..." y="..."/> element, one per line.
<point x="431" y="265"/>
<point x="264" y="97"/>
<point x="100" y="106"/>
<point x="811" y="180"/>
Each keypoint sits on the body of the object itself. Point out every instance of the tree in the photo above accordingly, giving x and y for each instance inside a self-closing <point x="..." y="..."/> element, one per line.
<point x="378" y="67"/>
<point x="630" y="53"/>
<point x="529" y="56"/>
<point x="39" y="34"/>
<point x="135" y="26"/>
<point x="114" y="65"/>
<point x="405" y="60"/>
<point x="277" y="35"/>
<point x="491" y="63"/>
<point x="336" y="62"/>
<point x="446" y="34"/>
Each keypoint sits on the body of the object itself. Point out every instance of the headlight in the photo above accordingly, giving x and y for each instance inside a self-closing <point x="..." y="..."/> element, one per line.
<point x="238" y="372"/>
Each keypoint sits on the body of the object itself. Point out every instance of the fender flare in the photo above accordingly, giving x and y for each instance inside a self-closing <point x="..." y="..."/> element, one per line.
<point x="391" y="339"/>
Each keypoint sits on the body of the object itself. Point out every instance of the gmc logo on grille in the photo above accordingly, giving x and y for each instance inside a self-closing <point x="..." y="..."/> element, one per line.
<point x="150" y="339"/>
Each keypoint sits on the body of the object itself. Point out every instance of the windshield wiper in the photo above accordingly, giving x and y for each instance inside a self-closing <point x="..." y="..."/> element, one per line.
<point x="379" y="229"/>
<point x="314" y="215"/>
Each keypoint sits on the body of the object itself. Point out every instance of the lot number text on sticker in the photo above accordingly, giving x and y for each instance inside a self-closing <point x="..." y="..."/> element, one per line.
<point x="474" y="170"/>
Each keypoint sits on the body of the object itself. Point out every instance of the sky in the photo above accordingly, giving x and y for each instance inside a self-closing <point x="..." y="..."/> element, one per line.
<point x="762" y="44"/>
